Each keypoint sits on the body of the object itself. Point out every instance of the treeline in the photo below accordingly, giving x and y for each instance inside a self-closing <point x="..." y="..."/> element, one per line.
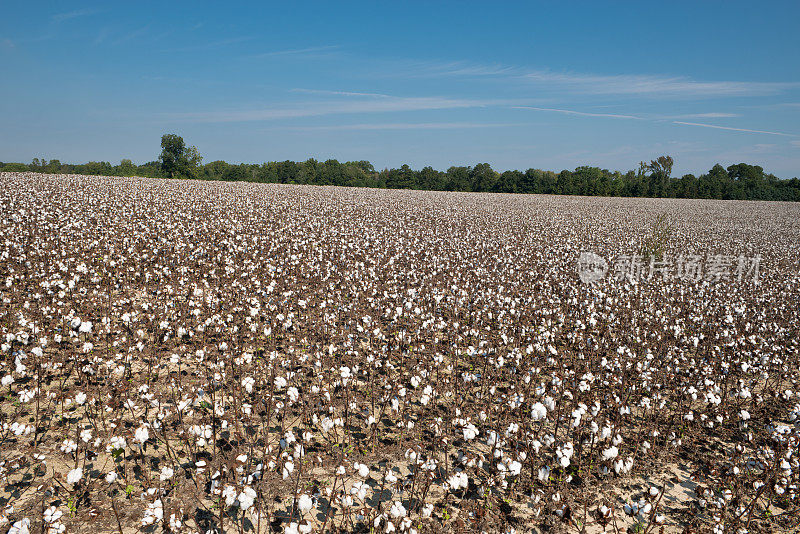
<point x="741" y="181"/>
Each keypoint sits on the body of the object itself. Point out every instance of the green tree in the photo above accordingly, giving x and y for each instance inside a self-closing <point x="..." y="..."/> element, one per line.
<point x="126" y="168"/>
<point x="176" y="159"/>
<point x="483" y="178"/>
<point x="656" y="175"/>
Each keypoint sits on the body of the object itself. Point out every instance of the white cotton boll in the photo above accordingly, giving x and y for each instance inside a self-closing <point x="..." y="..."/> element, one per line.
<point x="248" y="382"/>
<point x="458" y="481"/>
<point x="538" y="412"/>
<point x="397" y="510"/>
<point x="229" y="494"/>
<point x="247" y="497"/>
<point x="288" y="467"/>
<point x="142" y="434"/>
<point x="74" y="476"/>
<point x="166" y="473"/>
<point x="513" y="428"/>
<point x="111" y="477"/>
<point x="470" y="432"/>
<point x="326" y="424"/>
<point x="610" y="453"/>
<point x="543" y="474"/>
<point x="363" y="471"/>
<point x="305" y="503"/>
<point x="618" y="465"/>
<point x="359" y="489"/>
<point x="154" y="513"/>
<point x="52" y="514"/>
<point x="21" y="527"/>
<point x="117" y="443"/>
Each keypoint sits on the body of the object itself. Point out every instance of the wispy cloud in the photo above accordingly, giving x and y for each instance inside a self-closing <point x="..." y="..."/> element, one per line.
<point x="413" y="68"/>
<point x="465" y="68"/>
<point x="764" y="148"/>
<point x="581" y="113"/>
<point x="402" y="126"/>
<point x="132" y="35"/>
<point x="796" y="143"/>
<point x="653" y="85"/>
<point x="732" y="129"/>
<point x="102" y="35"/>
<point x="373" y="105"/>
<point x="309" y="51"/>
<point x="336" y="93"/>
<point x="6" y="44"/>
<point x="656" y="119"/>
<point x="61" y="17"/>
<point x="703" y="116"/>
<point x="211" y="45"/>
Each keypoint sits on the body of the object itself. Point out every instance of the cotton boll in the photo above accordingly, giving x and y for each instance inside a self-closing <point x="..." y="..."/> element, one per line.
<point x="142" y="434"/>
<point x="304" y="503"/>
<point x="247" y="497"/>
<point x="397" y="510"/>
<point x="538" y="412"/>
<point x="74" y="476"/>
<point x="610" y="453"/>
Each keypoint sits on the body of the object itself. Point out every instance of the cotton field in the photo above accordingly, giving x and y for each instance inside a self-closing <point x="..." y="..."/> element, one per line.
<point x="185" y="356"/>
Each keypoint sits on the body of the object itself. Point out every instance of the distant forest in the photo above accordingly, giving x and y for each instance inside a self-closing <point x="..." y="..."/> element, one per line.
<point x="653" y="179"/>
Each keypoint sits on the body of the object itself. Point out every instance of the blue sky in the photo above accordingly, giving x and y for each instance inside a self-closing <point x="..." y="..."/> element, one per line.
<point x="550" y="85"/>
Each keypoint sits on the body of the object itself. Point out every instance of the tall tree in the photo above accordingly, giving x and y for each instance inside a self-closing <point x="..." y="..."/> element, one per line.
<point x="172" y="153"/>
<point x="177" y="160"/>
